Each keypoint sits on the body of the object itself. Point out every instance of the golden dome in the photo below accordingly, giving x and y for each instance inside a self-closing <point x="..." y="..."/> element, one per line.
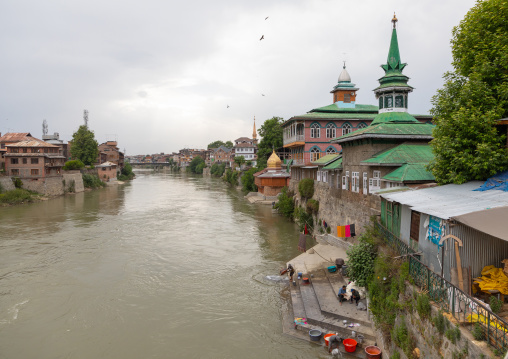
<point x="274" y="161"/>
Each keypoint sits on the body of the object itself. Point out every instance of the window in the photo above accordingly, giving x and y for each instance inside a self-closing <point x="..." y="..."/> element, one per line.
<point x="347" y="98"/>
<point x="330" y="150"/>
<point x="362" y="125"/>
<point x="330" y="130"/>
<point x="34" y="172"/>
<point x="345" y="181"/>
<point x="375" y="182"/>
<point x="14" y="161"/>
<point x="399" y="101"/>
<point x="25" y="150"/>
<point x="14" y="172"/>
<point x="346" y="128"/>
<point x="25" y="161"/>
<point x="389" y="101"/>
<point x="324" y="176"/>
<point x="314" y="154"/>
<point x="314" y="130"/>
<point x="381" y="102"/>
<point x="319" y="176"/>
<point x="365" y="182"/>
<point x="34" y="161"/>
<point x="414" y="232"/>
<point x="356" y="182"/>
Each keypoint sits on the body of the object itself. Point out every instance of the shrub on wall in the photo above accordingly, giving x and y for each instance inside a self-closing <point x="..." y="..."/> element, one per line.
<point x="286" y="204"/>
<point x="313" y="206"/>
<point x="73" y="165"/>
<point x="303" y="218"/>
<point x="306" y="187"/>
<point x="17" y="182"/>
<point x="92" y="181"/>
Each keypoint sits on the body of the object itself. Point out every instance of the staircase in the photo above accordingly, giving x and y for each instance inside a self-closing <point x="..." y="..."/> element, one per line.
<point x="319" y="304"/>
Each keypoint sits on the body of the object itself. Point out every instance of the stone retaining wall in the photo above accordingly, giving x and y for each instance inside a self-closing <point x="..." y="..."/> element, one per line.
<point x="6" y="183"/>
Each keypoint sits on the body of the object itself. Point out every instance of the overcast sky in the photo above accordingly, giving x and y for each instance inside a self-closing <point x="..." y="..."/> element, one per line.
<point x="159" y="75"/>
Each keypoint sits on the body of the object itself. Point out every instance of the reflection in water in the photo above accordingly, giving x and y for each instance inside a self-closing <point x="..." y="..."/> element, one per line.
<point x="168" y="266"/>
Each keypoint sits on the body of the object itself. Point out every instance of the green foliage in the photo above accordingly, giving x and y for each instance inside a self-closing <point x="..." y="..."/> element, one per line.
<point x="423" y="306"/>
<point x="500" y="353"/>
<point x="126" y="172"/>
<point x="453" y="334"/>
<point x="286" y="204"/>
<point x="313" y="206"/>
<point x="403" y="339"/>
<point x="72" y="187"/>
<point x="478" y="333"/>
<point x="496" y="304"/>
<point x="248" y="163"/>
<point x="17" y="196"/>
<point x="271" y="138"/>
<point x="84" y="146"/>
<point x="395" y="355"/>
<point x="466" y="142"/>
<point x="228" y="144"/>
<point x="303" y="218"/>
<point x="73" y="165"/>
<point x="218" y="143"/>
<point x="1" y="188"/>
<point x="440" y="322"/>
<point x="248" y="181"/>
<point x="217" y="170"/>
<point x="360" y="262"/>
<point x="92" y="181"/>
<point x="306" y="187"/>
<point x="196" y="165"/>
<point x="239" y="160"/>
<point x="231" y="177"/>
<point x="18" y="183"/>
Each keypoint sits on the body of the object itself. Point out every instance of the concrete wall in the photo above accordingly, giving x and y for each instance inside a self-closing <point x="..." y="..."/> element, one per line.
<point x="6" y="183"/>
<point x="77" y="178"/>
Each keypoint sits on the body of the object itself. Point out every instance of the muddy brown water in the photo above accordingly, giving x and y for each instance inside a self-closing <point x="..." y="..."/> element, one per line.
<point x="168" y="266"/>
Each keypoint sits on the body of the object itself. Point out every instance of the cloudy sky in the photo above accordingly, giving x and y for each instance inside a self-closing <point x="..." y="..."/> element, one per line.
<point x="159" y="75"/>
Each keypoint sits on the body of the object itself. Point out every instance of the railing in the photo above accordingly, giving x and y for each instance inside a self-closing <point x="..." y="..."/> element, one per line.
<point x="295" y="138"/>
<point x="462" y="306"/>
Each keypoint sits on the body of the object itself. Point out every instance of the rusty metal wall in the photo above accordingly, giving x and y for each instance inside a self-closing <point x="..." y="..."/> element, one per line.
<point x="479" y="250"/>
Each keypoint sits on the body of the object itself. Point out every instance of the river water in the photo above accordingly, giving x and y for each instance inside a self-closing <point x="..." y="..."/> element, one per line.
<point x="167" y="266"/>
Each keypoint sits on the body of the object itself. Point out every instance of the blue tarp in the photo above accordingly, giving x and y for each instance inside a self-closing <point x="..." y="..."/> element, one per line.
<point x="498" y="181"/>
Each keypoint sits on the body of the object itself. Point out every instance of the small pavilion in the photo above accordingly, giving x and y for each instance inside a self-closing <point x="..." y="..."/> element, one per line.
<point x="273" y="178"/>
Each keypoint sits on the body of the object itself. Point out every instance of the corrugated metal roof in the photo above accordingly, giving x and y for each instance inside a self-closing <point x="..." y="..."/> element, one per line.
<point x="336" y="109"/>
<point x="15" y="137"/>
<point x="410" y="172"/>
<point x="325" y="159"/>
<point x="404" y="153"/>
<point x="34" y="142"/>
<point x="334" y="165"/>
<point x="450" y="200"/>
<point x="390" y="130"/>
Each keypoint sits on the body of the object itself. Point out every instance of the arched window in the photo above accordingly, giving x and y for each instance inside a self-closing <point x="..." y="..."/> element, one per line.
<point x="314" y="130"/>
<point x="330" y="130"/>
<point x="346" y="128"/>
<point x="314" y="154"/>
<point x="362" y="125"/>
<point x="330" y="150"/>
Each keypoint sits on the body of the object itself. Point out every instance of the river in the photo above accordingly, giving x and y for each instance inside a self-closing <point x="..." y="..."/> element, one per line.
<point x="167" y="266"/>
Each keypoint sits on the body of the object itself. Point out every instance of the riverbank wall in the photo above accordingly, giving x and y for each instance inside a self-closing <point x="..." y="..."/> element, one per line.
<point x="6" y="183"/>
<point x="69" y="181"/>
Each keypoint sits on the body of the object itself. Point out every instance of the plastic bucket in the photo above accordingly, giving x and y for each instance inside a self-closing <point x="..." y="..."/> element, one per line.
<point x="327" y="336"/>
<point x="373" y="352"/>
<point x="315" y="335"/>
<point x="332" y="269"/>
<point x="349" y="345"/>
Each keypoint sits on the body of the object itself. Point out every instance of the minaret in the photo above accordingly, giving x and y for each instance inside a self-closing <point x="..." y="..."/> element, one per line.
<point x="344" y="93"/>
<point x="254" y="134"/>
<point x="393" y="89"/>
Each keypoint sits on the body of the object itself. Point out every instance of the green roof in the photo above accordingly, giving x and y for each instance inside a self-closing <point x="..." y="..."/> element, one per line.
<point x="358" y="108"/>
<point x="325" y="159"/>
<point x="394" y="117"/>
<point x="334" y="165"/>
<point x="390" y="130"/>
<point x="410" y="172"/>
<point x="334" y="116"/>
<point x="403" y="154"/>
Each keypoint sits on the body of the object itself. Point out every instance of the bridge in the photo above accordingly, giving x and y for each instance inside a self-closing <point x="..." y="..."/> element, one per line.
<point x="150" y="164"/>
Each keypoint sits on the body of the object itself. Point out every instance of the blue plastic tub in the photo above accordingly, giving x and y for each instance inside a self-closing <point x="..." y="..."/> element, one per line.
<point x="332" y="269"/>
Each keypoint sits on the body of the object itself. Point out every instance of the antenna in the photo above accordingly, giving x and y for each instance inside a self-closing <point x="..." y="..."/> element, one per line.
<point x="85" y="117"/>
<point x="44" y="127"/>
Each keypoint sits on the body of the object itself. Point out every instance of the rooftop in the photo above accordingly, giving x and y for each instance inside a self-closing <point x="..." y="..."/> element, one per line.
<point x="15" y="137"/>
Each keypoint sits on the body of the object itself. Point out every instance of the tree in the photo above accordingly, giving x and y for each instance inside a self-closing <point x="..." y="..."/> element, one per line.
<point x="466" y="144"/>
<point x="84" y="146"/>
<point x="228" y="144"/>
<point x="239" y="160"/>
<point x="215" y="144"/>
<point x="248" y="181"/>
<point x="271" y="133"/>
<point x="197" y="164"/>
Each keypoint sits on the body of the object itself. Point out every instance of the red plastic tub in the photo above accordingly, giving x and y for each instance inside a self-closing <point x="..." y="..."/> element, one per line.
<point x="349" y="345"/>
<point x="373" y="352"/>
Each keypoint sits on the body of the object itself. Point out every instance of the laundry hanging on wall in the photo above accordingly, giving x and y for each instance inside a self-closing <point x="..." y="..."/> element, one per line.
<point x="346" y="231"/>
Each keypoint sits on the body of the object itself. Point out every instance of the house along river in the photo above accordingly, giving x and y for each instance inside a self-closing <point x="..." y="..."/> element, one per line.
<point x="168" y="266"/>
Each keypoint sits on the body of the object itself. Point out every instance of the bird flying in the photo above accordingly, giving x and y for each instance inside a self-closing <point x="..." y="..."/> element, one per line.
<point x="227" y="106"/>
<point x="262" y="37"/>
<point x="266" y="17"/>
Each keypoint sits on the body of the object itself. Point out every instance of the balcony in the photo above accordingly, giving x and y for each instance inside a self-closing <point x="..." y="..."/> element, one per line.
<point x="294" y="141"/>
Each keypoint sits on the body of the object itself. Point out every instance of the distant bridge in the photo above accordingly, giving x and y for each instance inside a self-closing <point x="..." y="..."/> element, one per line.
<point x="150" y="164"/>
